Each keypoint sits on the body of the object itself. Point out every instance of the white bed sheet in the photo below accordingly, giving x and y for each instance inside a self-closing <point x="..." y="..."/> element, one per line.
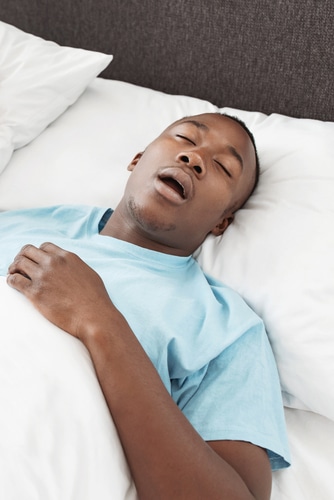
<point x="311" y="438"/>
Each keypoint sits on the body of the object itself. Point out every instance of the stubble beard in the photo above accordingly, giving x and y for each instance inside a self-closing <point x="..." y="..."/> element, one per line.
<point x="146" y="219"/>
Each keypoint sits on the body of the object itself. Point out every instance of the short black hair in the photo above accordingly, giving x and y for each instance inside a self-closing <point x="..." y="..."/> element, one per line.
<point x="251" y="136"/>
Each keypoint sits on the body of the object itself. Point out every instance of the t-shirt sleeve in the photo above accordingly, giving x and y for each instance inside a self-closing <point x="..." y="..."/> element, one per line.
<point x="239" y="397"/>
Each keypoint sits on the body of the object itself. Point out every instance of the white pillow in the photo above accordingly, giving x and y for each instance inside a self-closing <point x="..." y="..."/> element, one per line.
<point x="83" y="155"/>
<point x="38" y="81"/>
<point x="279" y="253"/>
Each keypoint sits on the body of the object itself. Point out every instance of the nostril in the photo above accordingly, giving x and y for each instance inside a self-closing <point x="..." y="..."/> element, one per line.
<point x="198" y="169"/>
<point x="185" y="158"/>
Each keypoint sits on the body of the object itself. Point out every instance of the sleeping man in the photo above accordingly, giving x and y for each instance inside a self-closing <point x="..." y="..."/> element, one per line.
<point x="185" y="366"/>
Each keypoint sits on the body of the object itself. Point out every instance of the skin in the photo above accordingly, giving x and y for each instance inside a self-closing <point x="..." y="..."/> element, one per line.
<point x="215" y="163"/>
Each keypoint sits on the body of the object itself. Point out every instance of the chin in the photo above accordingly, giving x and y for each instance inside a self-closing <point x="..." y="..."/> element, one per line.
<point x="148" y="218"/>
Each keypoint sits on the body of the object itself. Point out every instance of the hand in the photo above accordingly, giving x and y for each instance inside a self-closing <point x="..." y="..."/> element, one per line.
<point x="61" y="286"/>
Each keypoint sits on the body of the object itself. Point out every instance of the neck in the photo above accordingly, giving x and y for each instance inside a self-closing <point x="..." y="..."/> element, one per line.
<point x="123" y="228"/>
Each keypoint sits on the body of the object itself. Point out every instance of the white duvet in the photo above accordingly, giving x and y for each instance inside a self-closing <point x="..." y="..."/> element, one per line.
<point x="58" y="441"/>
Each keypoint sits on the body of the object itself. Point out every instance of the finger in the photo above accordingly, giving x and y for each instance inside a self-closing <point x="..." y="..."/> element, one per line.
<point x="48" y="247"/>
<point x="33" y="253"/>
<point x="23" y="265"/>
<point x="19" y="282"/>
<point x="29" y="251"/>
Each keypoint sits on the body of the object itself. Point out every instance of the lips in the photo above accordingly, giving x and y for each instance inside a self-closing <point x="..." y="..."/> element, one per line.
<point x="177" y="180"/>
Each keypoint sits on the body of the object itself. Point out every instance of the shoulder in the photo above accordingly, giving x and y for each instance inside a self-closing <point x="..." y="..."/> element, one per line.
<point x="239" y="312"/>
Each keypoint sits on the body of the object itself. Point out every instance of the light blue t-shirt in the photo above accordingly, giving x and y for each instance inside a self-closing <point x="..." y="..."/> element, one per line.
<point x="210" y="349"/>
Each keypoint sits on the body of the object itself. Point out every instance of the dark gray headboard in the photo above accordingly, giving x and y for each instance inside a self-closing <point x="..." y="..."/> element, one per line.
<point x="263" y="55"/>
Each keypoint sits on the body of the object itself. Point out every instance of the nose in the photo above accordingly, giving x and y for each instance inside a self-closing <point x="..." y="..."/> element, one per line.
<point x="194" y="161"/>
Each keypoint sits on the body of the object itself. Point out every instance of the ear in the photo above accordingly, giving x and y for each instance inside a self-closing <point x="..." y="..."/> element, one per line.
<point x="134" y="161"/>
<point x="222" y="226"/>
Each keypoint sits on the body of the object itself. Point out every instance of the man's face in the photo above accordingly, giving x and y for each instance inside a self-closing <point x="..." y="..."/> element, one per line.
<point x="189" y="181"/>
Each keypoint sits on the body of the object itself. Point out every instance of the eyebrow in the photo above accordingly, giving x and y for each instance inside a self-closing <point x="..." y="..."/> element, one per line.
<point x="231" y="149"/>
<point x="197" y="124"/>
<point x="236" y="155"/>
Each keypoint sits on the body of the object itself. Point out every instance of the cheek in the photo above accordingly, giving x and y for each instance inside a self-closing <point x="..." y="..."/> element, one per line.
<point x="138" y="179"/>
<point x="218" y="199"/>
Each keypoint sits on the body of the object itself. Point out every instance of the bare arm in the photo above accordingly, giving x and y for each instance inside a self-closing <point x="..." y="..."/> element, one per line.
<point x="167" y="458"/>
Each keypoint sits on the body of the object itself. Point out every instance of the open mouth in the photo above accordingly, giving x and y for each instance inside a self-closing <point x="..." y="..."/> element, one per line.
<point x="175" y="185"/>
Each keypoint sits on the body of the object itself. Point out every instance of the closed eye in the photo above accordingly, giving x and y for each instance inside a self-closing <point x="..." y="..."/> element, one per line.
<point x="186" y="139"/>
<point x="224" y="168"/>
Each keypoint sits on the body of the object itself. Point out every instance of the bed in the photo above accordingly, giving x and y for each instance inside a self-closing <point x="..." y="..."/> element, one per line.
<point x="85" y="85"/>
